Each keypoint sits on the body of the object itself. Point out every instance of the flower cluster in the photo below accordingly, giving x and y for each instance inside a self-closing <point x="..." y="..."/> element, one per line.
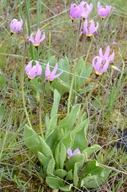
<point x="36" y="70"/>
<point x="81" y="10"/>
<point x="101" y="62"/>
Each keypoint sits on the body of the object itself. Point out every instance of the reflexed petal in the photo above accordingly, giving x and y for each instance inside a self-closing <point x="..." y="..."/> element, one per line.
<point x="43" y="37"/>
<point x="31" y="38"/>
<point x="69" y="152"/>
<point x="76" y="151"/>
<point x="85" y="29"/>
<point x="105" y="67"/>
<point x="101" y="53"/>
<point x="54" y="70"/>
<point x="111" y="57"/>
<point x="28" y="67"/>
<point x="47" y="71"/>
<point x="106" y="54"/>
<point x="37" y="37"/>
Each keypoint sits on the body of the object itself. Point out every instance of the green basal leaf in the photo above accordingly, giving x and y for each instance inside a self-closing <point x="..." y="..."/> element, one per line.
<point x="31" y="140"/>
<point x="77" y="166"/>
<point x="67" y="123"/>
<point x="52" y="124"/>
<point x="41" y="158"/>
<point x="74" y="159"/>
<point x="52" y="61"/>
<point x="60" y="155"/>
<point x="36" y="85"/>
<point x="60" y="173"/>
<point x="69" y="176"/>
<point x="92" y="167"/>
<point x="50" y="167"/>
<point x="54" y="183"/>
<point x="45" y="149"/>
<point x="91" y="149"/>
<point x="66" y="187"/>
<point x="94" y="181"/>
<point x="80" y="138"/>
<point x="66" y="140"/>
<point x="55" y="106"/>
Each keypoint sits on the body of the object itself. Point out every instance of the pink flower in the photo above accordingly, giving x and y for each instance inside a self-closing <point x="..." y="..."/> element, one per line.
<point x="89" y="28"/>
<point x="106" y="55"/>
<point x="80" y="11"/>
<point x="50" y="76"/>
<point x="16" y="25"/>
<point x="100" y="65"/>
<point x="37" y="39"/>
<point x="70" y="153"/>
<point x="33" y="71"/>
<point x="103" y="12"/>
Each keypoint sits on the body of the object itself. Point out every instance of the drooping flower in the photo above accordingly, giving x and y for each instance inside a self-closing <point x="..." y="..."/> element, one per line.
<point x="81" y="10"/>
<point x="70" y="153"/>
<point x="89" y="28"/>
<point x="85" y="9"/>
<point x="16" y="25"/>
<point x="39" y="37"/>
<point x="100" y="65"/>
<point x="50" y="76"/>
<point x="33" y="71"/>
<point x="106" y="55"/>
<point x="103" y="12"/>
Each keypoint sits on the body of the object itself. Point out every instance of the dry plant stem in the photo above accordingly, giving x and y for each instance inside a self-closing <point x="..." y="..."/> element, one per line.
<point x="22" y="85"/>
<point x="40" y="111"/>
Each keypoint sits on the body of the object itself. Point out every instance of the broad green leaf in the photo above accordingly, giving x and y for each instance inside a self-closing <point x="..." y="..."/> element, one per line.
<point x="56" y="101"/>
<point x="60" y="173"/>
<point x="45" y="149"/>
<point x="31" y="140"/>
<point x="60" y="155"/>
<point x="90" y="150"/>
<point x="52" y="124"/>
<point x="69" y="176"/>
<point x="77" y="166"/>
<point x="74" y="159"/>
<point x="66" y="187"/>
<point x="36" y="85"/>
<point x="66" y="140"/>
<point x="94" y="181"/>
<point x="92" y="167"/>
<point x="52" y="140"/>
<point x="67" y="123"/>
<point x="50" y="167"/>
<point x="54" y="183"/>
<point x="41" y="158"/>
<point x="80" y="138"/>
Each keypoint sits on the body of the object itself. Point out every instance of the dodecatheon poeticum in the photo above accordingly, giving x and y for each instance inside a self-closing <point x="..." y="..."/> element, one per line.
<point x="89" y="28"/>
<point x="50" y="76"/>
<point x="100" y="65"/>
<point x="106" y="55"/>
<point x="38" y="38"/>
<point x="103" y="12"/>
<point x="16" y="26"/>
<point x="33" y="71"/>
<point x="70" y="153"/>
<point x="81" y="10"/>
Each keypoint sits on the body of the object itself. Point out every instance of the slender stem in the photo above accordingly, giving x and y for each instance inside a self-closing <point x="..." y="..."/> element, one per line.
<point x="40" y="110"/>
<point x="27" y="3"/>
<point x="72" y="81"/>
<point x="82" y="110"/>
<point x="22" y="85"/>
